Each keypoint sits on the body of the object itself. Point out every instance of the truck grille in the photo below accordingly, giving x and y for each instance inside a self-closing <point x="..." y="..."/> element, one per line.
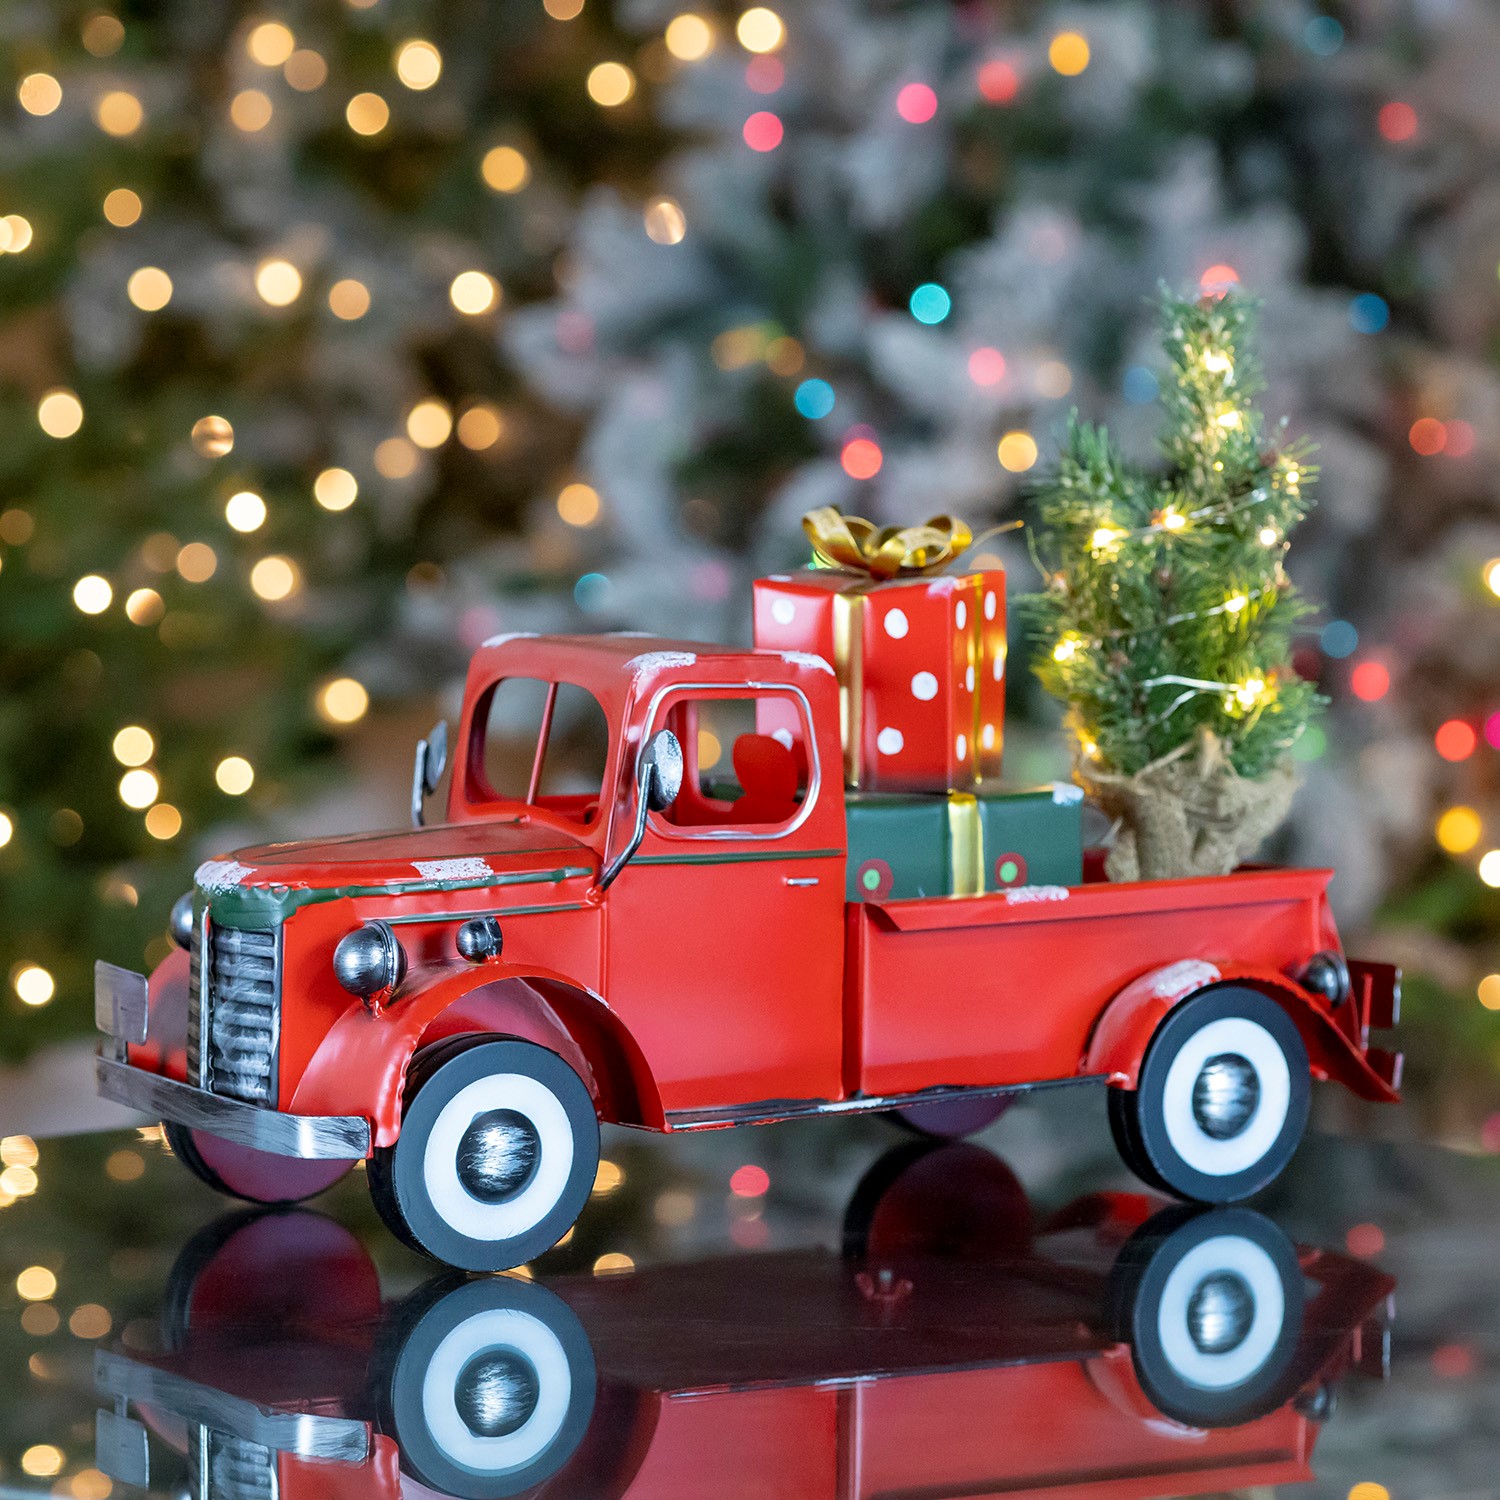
<point x="221" y="1467"/>
<point x="234" y="1012"/>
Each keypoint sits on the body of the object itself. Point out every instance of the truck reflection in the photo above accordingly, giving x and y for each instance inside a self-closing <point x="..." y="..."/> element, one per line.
<point x="961" y="1344"/>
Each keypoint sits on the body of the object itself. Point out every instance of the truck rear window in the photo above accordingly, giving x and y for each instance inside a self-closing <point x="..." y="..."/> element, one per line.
<point x="554" y="758"/>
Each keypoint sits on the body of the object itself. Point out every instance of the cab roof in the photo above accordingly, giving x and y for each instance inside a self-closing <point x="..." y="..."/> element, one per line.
<point x="622" y="656"/>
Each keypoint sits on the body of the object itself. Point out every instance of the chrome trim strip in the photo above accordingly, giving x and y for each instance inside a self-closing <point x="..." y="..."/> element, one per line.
<point x="768" y="1111"/>
<point x="120" y="997"/>
<point x="311" y="1137"/>
<point x="306" y="1434"/>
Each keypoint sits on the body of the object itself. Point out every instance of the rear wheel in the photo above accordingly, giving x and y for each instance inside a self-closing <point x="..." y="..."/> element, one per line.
<point x="1222" y="1099"/>
<point x="497" y="1155"/>
<point x="242" y="1172"/>
<point x="1211" y="1303"/>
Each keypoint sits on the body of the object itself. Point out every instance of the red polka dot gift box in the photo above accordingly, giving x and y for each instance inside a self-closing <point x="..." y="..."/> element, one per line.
<point x="919" y="652"/>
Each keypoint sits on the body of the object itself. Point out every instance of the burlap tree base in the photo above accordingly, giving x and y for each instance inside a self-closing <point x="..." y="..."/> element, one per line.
<point x="1190" y="813"/>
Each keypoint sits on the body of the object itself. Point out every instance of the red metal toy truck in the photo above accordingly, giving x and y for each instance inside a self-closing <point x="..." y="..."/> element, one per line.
<point x="661" y="944"/>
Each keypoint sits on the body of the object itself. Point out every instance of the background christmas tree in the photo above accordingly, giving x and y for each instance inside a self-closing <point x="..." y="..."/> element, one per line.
<point x="558" y="315"/>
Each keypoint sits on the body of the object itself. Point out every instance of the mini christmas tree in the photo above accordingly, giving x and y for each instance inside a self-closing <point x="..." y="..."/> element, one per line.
<point x="1167" y="613"/>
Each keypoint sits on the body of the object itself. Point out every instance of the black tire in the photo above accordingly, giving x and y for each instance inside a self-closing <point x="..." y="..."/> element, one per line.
<point x="950" y="1119"/>
<point x="258" y="1176"/>
<point x="1211" y="1302"/>
<point x="1222" y="1099"/>
<point x="927" y="1198"/>
<point x="489" y="1387"/>
<point x="544" y="1153"/>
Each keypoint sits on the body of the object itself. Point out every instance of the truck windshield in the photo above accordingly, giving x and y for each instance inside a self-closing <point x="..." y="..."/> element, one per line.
<point x="546" y="743"/>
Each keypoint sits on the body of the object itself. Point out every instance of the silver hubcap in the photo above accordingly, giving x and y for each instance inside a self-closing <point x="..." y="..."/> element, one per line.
<point x="1220" y="1313"/>
<point x="498" y="1155"/>
<point x="1226" y="1095"/>
<point x="497" y="1393"/>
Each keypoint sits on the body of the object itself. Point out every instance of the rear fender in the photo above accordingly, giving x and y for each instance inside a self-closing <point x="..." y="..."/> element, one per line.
<point x="1130" y="1020"/>
<point x="360" y="1067"/>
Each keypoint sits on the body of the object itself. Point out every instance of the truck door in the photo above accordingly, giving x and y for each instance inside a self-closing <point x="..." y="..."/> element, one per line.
<point x="724" y="935"/>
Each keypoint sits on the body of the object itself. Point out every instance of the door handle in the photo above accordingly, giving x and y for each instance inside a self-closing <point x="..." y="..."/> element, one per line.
<point x="799" y="880"/>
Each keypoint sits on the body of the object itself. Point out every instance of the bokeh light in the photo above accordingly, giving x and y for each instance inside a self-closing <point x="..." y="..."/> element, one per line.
<point x="343" y="701"/>
<point x="689" y="37"/>
<point x="1068" y="53"/>
<point x="930" y="303"/>
<point x="916" y="103"/>
<point x="418" y="64"/>
<point x="122" y="207"/>
<point x="1458" y="830"/>
<point x="1017" y="452"/>
<point x="814" y="399"/>
<point x="335" y="489"/>
<point x="368" y="114"/>
<point x="760" y="30"/>
<point x="1456" y="740"/>
<point x="39" y="93"/>
<point x="861" y="458"/>
<point x="1397" y="121"/>
<point x="610" y="84"/>
<point x="1370" y="681"/>
<point x="149" y="288"/>
<point x="278" y="283"/>
<point x="505" y="169"/>
<point x="234" y="775"/>
<point x="59" y="413"/>
<point x="763" y="131"/>
<point x="474" y="292"/>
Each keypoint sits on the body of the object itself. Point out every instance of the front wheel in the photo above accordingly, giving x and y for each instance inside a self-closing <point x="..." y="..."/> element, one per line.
<point x="243" y="1172"/>
<point x="497" y="1155"/>
<point x="1222" y="1099"/>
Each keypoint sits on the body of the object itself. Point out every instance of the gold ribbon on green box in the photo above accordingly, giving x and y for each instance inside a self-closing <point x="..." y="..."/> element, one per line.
<point x="884" y="552"/>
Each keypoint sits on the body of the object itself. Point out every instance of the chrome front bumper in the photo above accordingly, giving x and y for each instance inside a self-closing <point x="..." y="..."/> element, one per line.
<point x="119" y="1012"/>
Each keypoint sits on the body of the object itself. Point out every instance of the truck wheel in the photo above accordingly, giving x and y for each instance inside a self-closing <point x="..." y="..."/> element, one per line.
<point x="1222" y="1098"/>
<point x="491" y="1387"/>
<point x="243" y="1172"/>
<point x="1211" y="1303"/>
<point x="498" y="1150"/>
<point x="951" y="1119"/>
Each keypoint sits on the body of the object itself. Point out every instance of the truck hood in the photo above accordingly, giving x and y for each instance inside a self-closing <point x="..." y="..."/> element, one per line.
<point x="271" y="880"/>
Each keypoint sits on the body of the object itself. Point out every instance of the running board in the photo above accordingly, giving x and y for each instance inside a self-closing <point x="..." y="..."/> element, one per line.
<point x="770" y="1111"/>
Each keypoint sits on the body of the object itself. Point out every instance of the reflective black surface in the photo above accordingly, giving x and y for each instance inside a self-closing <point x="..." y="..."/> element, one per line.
<point x="811" y="1309"/>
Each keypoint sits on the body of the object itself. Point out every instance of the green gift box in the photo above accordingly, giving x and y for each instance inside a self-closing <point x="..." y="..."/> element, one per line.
<point x="903" y="846"/>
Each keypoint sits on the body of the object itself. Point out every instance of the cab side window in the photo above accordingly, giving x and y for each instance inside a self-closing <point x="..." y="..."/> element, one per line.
<point x="742" y="765"/>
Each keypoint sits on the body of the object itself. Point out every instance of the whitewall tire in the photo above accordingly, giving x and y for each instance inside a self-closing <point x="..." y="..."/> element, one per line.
<point x="490" y="1389"/>
<point x="497" y="1155"/>
<point x="1222" y="1098"/>
<point x="1211" y="1303"/>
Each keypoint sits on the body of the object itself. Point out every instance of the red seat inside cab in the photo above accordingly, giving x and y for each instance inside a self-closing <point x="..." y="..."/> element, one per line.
<point x="768" y="774"/>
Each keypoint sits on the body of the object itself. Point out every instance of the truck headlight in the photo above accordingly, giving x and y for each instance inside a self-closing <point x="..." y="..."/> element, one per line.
<point x="1327" y="974"/>
<point x="180" y="923"/>
<point x="370" y="960"/>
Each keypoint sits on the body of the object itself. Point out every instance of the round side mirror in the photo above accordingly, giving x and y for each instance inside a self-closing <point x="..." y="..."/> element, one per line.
<point x="437" y="756"/>
<point x="661" y="770"/>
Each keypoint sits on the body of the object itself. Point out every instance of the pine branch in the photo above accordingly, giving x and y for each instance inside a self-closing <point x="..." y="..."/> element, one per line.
<point x="1167" y="608"/>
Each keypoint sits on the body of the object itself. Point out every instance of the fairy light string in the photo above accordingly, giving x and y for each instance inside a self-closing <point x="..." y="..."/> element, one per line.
<point x="1167" y="605"/>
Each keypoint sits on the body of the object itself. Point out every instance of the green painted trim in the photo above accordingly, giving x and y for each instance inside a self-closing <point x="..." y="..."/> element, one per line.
<point x="261" y="906"/>
<point x="736" y="859"/>
<point x="503" y="911"/>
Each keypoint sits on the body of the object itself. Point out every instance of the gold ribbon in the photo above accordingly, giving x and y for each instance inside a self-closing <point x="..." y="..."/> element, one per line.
<point x="884" y="552"/>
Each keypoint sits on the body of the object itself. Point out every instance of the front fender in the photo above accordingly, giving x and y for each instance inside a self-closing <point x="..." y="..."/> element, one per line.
<point x="360" y="1066"/>
<point x="1130" y="1020"/>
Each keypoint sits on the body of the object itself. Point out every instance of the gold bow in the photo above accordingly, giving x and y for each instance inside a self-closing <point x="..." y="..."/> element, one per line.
<point x="884" y="551"/>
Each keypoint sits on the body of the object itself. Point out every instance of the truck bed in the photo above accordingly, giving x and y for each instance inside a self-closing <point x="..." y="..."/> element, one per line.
<point x="1006" y="988"/>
